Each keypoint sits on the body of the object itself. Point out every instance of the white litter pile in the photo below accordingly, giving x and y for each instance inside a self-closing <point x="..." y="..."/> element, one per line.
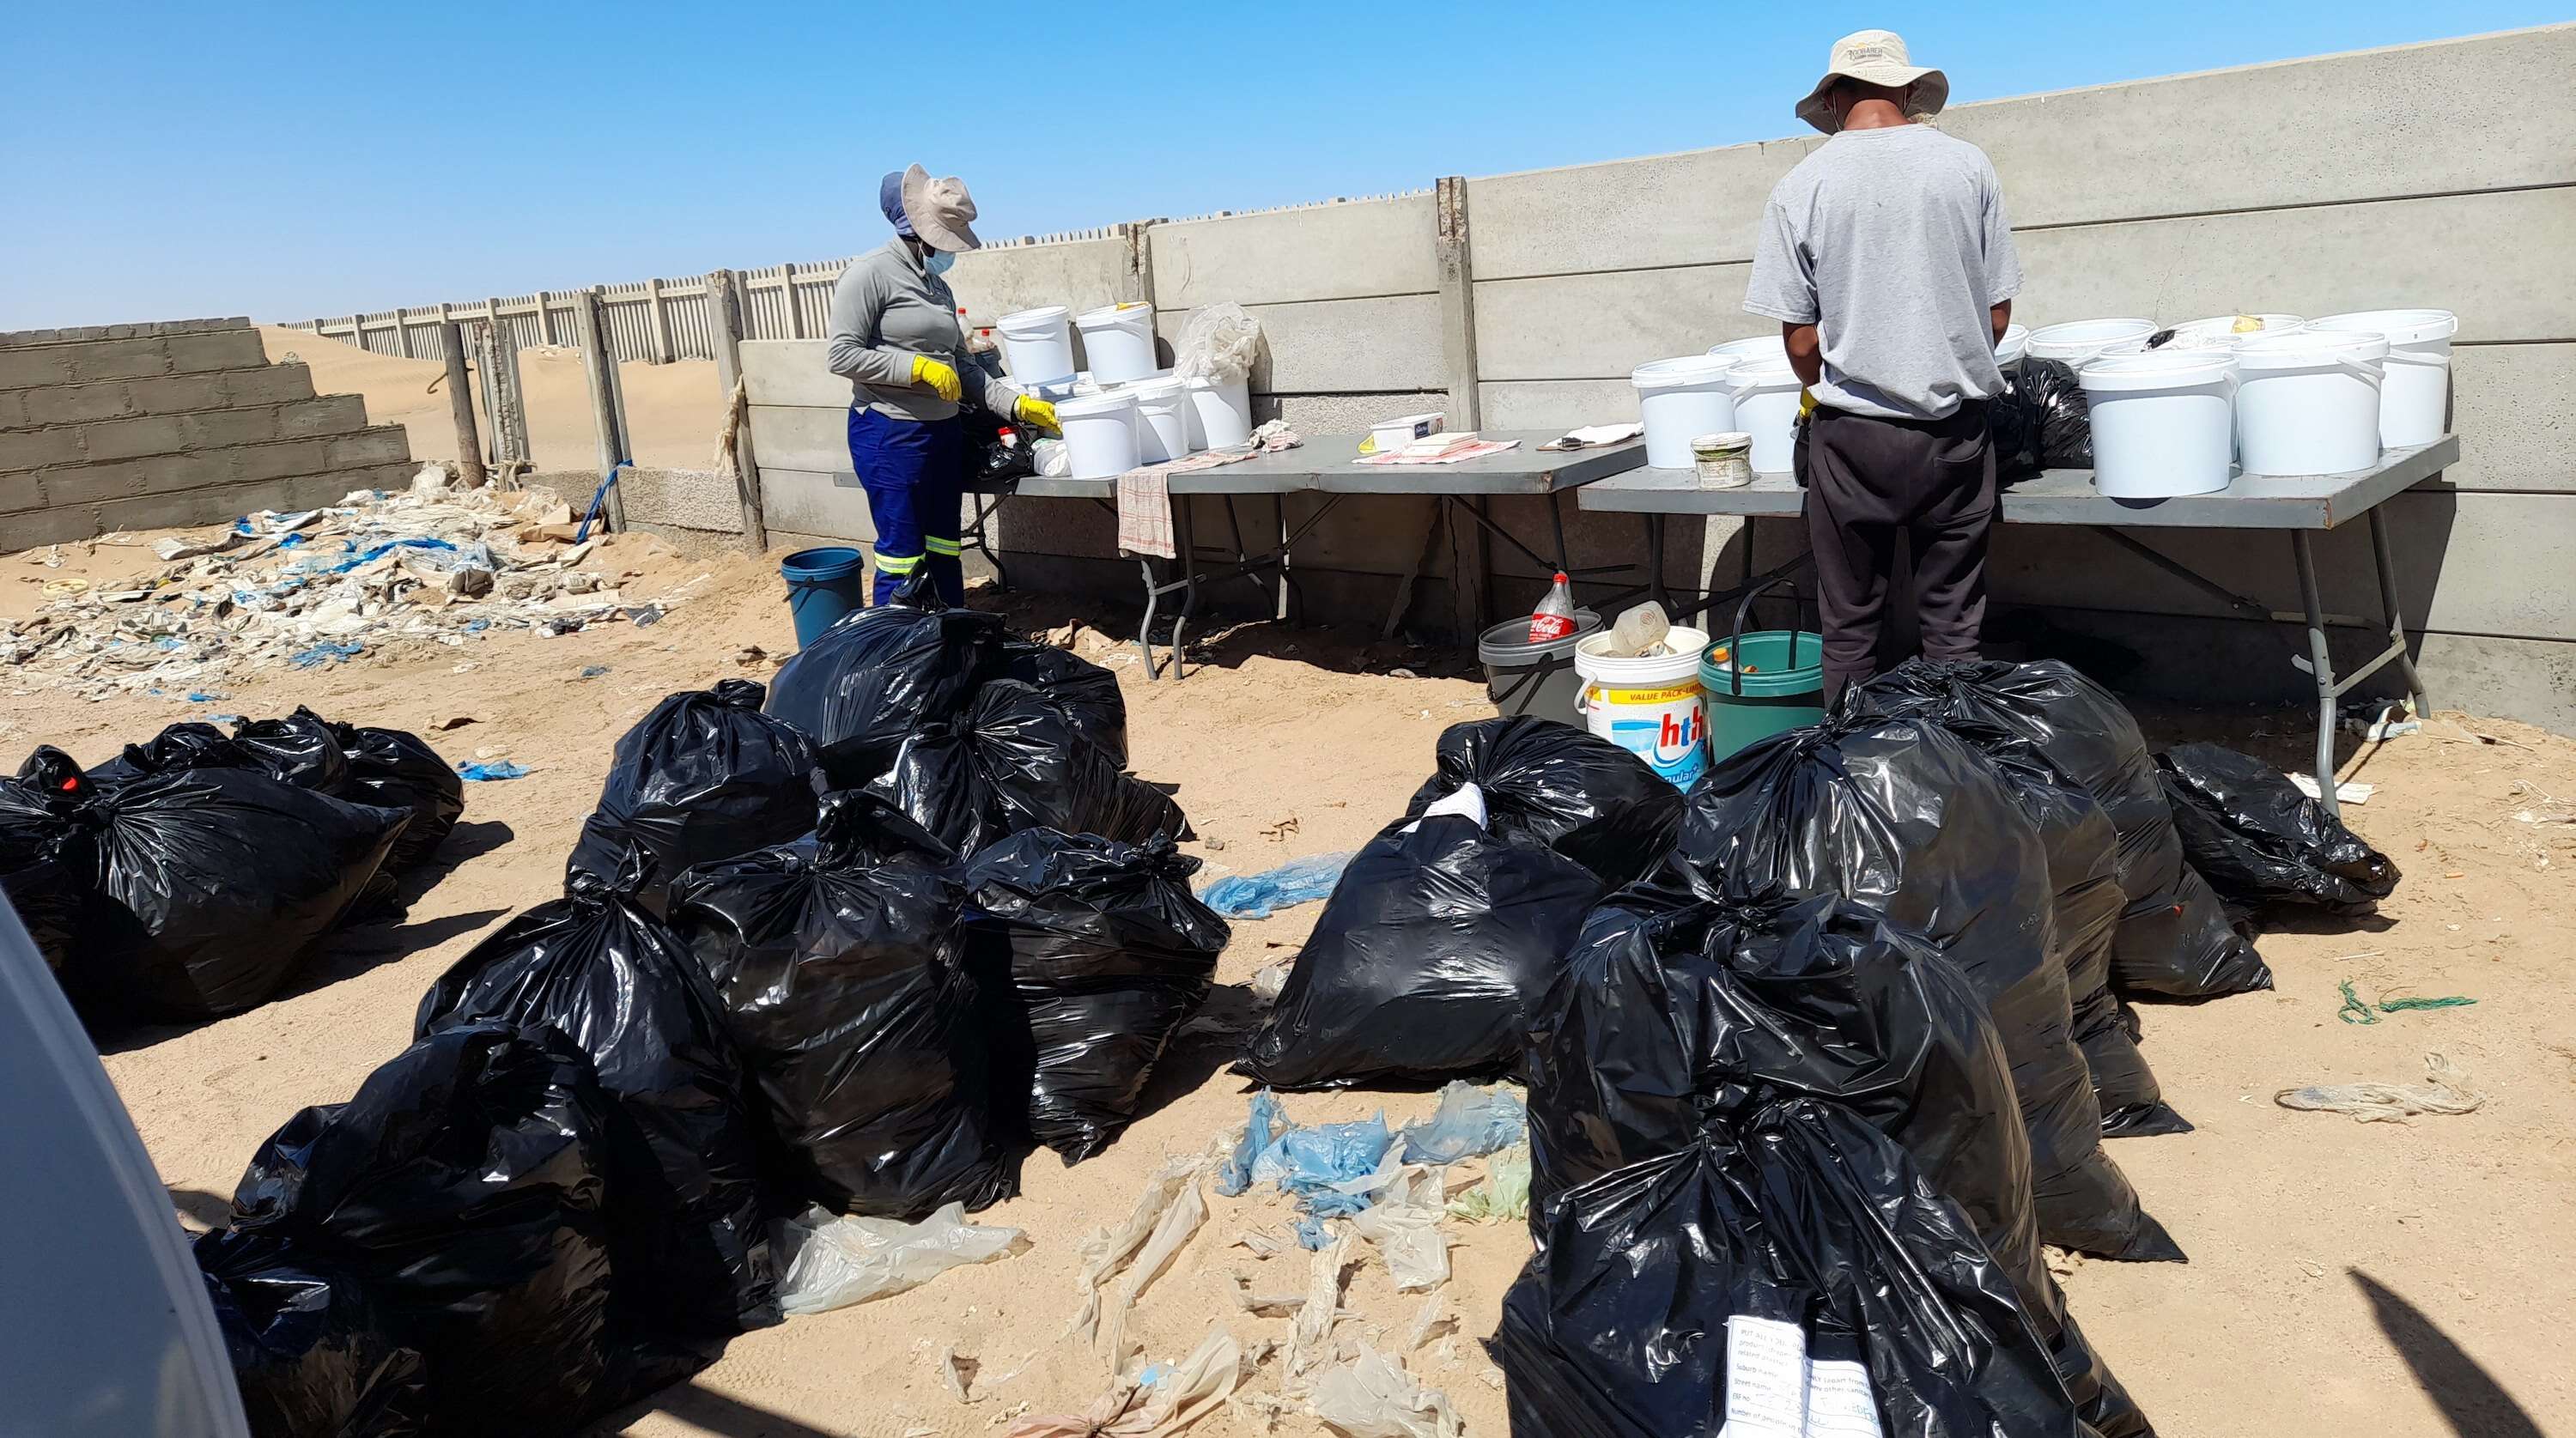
<point x="434" y="565"/>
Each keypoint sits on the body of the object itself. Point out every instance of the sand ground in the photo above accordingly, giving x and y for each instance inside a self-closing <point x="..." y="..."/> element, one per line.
<point x="2397" y="1280"/>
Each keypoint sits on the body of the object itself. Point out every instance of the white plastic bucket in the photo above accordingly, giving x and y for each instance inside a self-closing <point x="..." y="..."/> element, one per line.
<point x="1120" y="341"/>
<point x="2307" y="401"/>
<point x="1766" y="407"/>
<point x="2009" y="349"/>
<point x="1220" y="415"/>
<point x="1757" y="350"/>
<point x="2163" y="422"/>
<point x="2415" y="402"/>
<point x="1653" y="708"/>
<point x="1037" y="345"/>
<point x="1100" y="434"/>
<point x="2079" y="341"/>
<point x="1681" y="399"/>
<point x="1162" y="427"/>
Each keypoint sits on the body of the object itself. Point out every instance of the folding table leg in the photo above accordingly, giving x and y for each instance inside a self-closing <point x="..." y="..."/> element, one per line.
<point x="1188" y="543"/>
<point x="1145" y="629"/>
<point x="2321" y="666"/>
<point x="1556" y="522"/>
<point x="1655" y="561"/>
<point x="2396" y="619"/>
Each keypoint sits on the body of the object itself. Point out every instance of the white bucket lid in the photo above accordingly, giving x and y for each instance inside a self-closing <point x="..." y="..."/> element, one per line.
<point x="2305" y="348"/>
<point x="1036" y="321"/>
<point x="2083" y="339"/>
<point x="2402" y="327"/>
<point x="1090" y="406"/>
<point x="1686" y="370"/>
<point x="1127" y="316"/>
<point x="1767" y="372"/>
<point x="1155" y="389"/>
<point x="2158" y="369"/>
<point x="1753" y="347"/>
<point x="2009" y="348"/>
<point x="2221" y="329"/>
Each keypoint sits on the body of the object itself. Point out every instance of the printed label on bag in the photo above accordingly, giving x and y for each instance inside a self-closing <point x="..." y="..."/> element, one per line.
<point x="1839" y="1403"/>
<point x="1766" y="1379"/>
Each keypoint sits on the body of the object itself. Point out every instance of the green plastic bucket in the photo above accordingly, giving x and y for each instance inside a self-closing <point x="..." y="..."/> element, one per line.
<point x="1782" y="687"/>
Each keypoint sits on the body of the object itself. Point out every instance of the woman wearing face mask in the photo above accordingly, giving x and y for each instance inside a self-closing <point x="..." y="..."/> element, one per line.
<point x="895" y="337"/>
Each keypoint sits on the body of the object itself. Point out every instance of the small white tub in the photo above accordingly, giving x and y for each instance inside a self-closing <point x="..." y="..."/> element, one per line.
<point x="1766" y="407"/>
<point x="1681" y="399"/>
<point x="2307" y="401"/>
<point x="1037" y="345"/>
<point x="1120" y="341"/>
<point x="1220" y="414"/>
<point x="1100" y="436"/>
<point x="2163" y="422"/>
<point x="2078" y="342"/>
<point x="1162" y="426"/>
<point x="1753" y="351"/>
<point x="2415" y="402"/>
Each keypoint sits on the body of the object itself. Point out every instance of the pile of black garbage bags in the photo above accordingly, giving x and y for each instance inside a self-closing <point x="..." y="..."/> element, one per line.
<point x="1820" y="1052"/>
<point x="189" y="877"/>
<point x="860" y="938"/>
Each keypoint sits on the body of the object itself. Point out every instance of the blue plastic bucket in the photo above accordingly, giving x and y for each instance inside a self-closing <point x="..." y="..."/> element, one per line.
<point x="824" y="586"/>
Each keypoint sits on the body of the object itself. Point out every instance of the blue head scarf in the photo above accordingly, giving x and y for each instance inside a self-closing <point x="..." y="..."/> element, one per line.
<point x="890" y="200"/>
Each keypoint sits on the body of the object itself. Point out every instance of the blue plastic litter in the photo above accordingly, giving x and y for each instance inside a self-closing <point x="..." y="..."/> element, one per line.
<point x="1469" y="1123"/>
<point x="374" y="552"/>
<point x="1311" y="1161"/>
<point x="1311" y="1235"/>
<point x="1154" y="1373"/>
<point x="598" y="501"/>
<point x="1257" y="896"/>
<point x="593" y="671"/>
<point x="223" y="718"/>
<point x="292" y="541"/>
<point x="166" y="643"/>
<point x="1267" y="1122"/>
<point x="326" y="652"/>
<point x="497" y="769"/>
<point x="201" y="696"/>
<point x="477" y="626"/>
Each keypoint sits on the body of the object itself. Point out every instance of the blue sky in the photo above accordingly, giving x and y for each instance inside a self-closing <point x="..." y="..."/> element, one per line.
<point x="293" y="160"/>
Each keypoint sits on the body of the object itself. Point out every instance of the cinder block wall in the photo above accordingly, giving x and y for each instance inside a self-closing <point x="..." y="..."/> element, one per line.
<point x="185" y="422"/>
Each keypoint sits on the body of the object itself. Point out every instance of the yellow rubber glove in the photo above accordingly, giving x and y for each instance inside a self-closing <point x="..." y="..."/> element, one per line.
<point x="1031" y="410"/>
<point x="1806" y="404"/>
<point x="938" y="375"/>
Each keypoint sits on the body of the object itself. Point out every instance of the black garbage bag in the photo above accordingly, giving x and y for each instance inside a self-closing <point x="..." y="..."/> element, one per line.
<point x="840" y="960"/>
<point x="704" y="776"/>
<point x="1903" y="817"/>
<point x="1671" y="1005"/>
<point x="2083" y="851"/>
<point x="2257" y="840"/>
<point x="1087" y="693"/>
<point x="2173" y="940"/>
<point x="2042" y="421"/>
<point x="1102" y="953"/>
<point x="465" y="1189"/>
<point x="1019" y="758"/>
<point x="1557" y="785"/>
<point x="875" y="676"/>
<point x="192" y="744"/>
<point x="43" y="854"/>
<point x="1797" y="1213"/>
<point x="1427" y="963"/>
<point x="626" y="990"/>
<point x="310" y="1353"/>
<point x="397" y="769"/>
<point x="213" y="885"/>
<point x="300" y="749"/>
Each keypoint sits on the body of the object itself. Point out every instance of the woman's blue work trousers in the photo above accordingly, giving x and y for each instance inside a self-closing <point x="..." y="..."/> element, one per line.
<point x="913" y="471"/>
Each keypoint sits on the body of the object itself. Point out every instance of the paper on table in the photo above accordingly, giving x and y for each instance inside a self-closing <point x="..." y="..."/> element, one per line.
<point x="1766" y="1378"/>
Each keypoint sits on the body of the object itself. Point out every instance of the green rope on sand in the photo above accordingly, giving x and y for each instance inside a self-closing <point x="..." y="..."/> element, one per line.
<point x="2354" y="1011"/>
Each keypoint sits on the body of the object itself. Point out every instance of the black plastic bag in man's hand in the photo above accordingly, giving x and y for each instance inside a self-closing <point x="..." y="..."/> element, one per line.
<point x="1901" y="816"/>
<point x="705" y="776"/>
<point x="1554" y="784"/>
<point x="2258" y="840"/>
<point x="1104" y="953"/>
<point x="310" y="1354"/>
<point x="875" y="676"/>
<point x="623" y="987"/>
<point x="841" y="962"/>
<point x="1435" y="947"/>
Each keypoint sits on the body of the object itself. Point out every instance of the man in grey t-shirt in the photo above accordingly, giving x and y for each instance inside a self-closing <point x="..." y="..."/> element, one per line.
<point x="1886" y="259"/>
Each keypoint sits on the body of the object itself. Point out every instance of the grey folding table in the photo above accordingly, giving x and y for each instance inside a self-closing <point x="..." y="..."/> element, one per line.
<point x="2300" y="506"/>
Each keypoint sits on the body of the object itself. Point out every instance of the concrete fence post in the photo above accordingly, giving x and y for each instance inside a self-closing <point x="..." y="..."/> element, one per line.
<point x="725" y="316"/>
<point x="787" y="288"/>
<point x="661" y="317"/>
<point x="460" y="403"/>
<point x="608" y="413"/>
<point x="1470" y="556"/>
<point x="545" y="318"/>
<point x="402" y="332"/>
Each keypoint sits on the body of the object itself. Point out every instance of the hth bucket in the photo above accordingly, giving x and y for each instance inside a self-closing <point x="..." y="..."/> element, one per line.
<point x="1037" y="345"/>
<point x="824" y="586"/>
<point x="1650" y="707"/>
<point x="1120" y="341"/>
<point x="1526" y="678"/>
<point x="2415" y="400"/>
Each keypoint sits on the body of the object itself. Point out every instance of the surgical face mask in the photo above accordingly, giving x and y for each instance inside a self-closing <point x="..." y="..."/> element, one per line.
<point x="938" y="262"/>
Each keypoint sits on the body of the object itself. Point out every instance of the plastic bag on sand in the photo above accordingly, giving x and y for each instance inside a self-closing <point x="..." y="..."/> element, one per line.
<point x="1503" y="1194"/>
<point x="1087" y="693"/>
<point x="1671" y="1005"/>
<point x="1168" y="1210"/>
<point x="43" y="856"/>
<point x="1103" y="953"/>
<point x="1182" y="1395"/>
<point x="190" y="744"/>
<point x="308" y="1350"/>
<point x="705" y="776"/>
<point x="840" y="960"/>
<point x="1019" y="758"/>
<point x="395" y="769"/>
<point x="625" y="989"/>
<point x="1798" y="1213"/>
<point x="299" y="749"/>
<point x="1469" y="1123"/>
<point x="466" y="1190"/>
<point x="832" y="1262"/>
<point x="1219" y="341"/>
<point x="2083" y="849"/>
<point x="211" y="886"/>
<point x="2258" y="840"/>
<point x="1903" y="818"/>
<point x="1258" y="896"/>
<point x="875" y="676"/>
<point x="1555" y="785"/>
<point x="1436" y="944"/>
<point x="1404" y="1225"/>
<point x="1373" y="1397"/>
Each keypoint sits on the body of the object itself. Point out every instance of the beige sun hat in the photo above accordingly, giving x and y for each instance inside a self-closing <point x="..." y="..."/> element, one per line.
<point x="941" y="211"/>
<point x="1875" y="57"/>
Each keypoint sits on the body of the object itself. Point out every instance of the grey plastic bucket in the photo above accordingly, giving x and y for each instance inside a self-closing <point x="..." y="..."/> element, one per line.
<point x="1526" y="678"/>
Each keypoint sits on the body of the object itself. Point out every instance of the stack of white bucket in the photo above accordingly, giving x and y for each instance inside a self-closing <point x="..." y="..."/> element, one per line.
<point x="1123" y="411"/>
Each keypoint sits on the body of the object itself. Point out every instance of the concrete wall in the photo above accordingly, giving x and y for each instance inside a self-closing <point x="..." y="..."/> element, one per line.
<point x="145" y="426"/>
<point x="2404" y="176"/>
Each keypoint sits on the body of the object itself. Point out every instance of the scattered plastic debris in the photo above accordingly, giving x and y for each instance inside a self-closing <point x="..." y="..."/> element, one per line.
<point x="1178" y="1397"/>
<point x="1470" y="1123"/>
<point x="2354" y="1011"/>
<point x="1267" y="1121"/>
<point x="1257" y="896"/>
<point x="832" y="1262"/>
<point x="2389" y="1103"/>
<point x="480" y="773"/>
<point x="1503" y="1195"/>
<point x="325" y="652"/>
<point x="591" y="671"/>
<point x="1373" y="1397"/>
<point x="1404" y="1225"/>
